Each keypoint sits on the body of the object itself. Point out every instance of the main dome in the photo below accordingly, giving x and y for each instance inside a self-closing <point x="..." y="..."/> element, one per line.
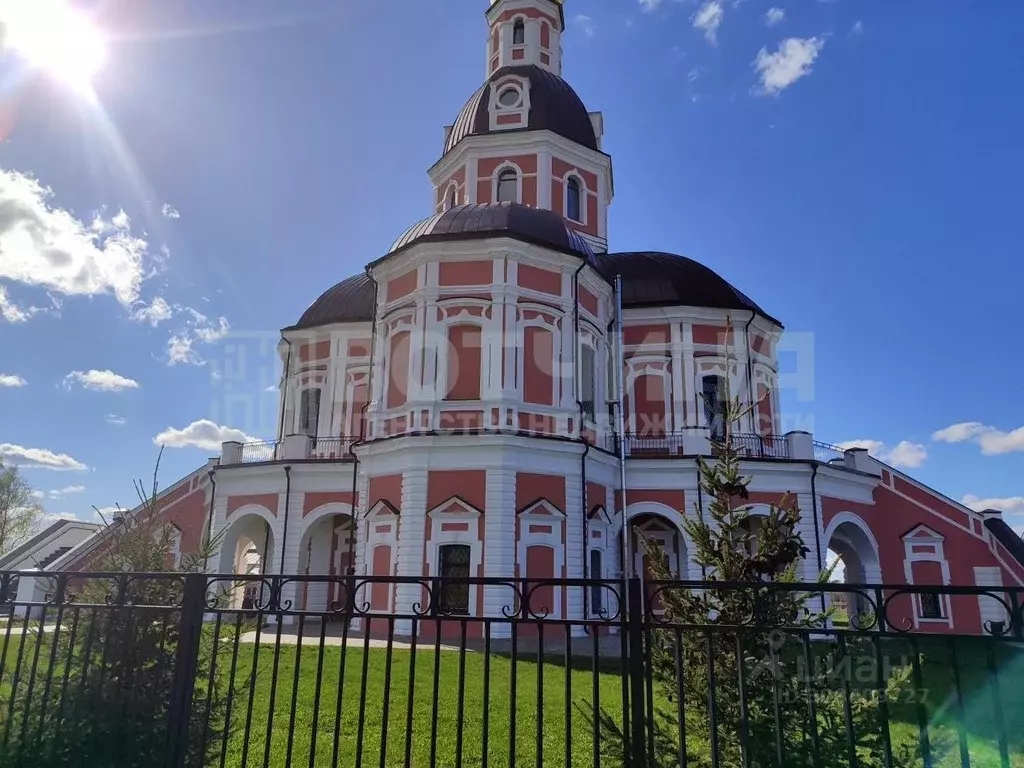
<point x="658" y="279"/>
<point x="554" y="106"/>
<point x="350" y="301"/>
<point x="478" y="220"/>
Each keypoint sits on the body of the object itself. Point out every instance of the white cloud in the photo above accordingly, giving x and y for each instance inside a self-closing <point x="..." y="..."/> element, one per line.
<point x="60" y="493"/>
<point x="789" y="63"/>
<point x="170" y="212"/>
<point x="179" y="350"/>
<point x="774" y="16"/>
<point x="10" y="311"/>
<point x="585" y="24"/>
<point x="157" y="312"/>
<point x="904" y="454"/>
<point x="48" y="246"/>
<point x="38" y="458"/>
<point x="200" y="329"/>
<point x="100" y="381"/>
<point x="992" y="441"/>
<point x="10" y="380"/>
<point x="202" y="434"/>
<point x="857" y="28"/>
<point x="649" y="5"/>
<point x="113" y="418"/>
<point x="708" y="19"/>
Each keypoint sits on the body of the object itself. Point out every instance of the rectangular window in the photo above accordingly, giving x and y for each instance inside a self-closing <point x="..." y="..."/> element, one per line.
<point x="588" y="383"/>
<point x="713" y="394"/>
<point x="454" y="597"/>
<point x="309" y="411"/>
<point x="596" y="596"/>
<point x="931" y="605"/>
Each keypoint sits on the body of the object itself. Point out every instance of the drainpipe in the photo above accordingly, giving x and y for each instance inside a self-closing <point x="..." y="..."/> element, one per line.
<point x="208" y="528"/>
<point x="620" y="375"/>
<point x="579" y="406"/>
<point x="287" y="504"/>
<point x="287" y="381"/>
<point x="700" y="513"/>
<point x="817" y="533"/>
<point x="362" y="424"/>
<point x="750" y="376"/>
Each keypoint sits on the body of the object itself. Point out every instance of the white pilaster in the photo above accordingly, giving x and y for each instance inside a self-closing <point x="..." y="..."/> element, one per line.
<point x="678" y="396"/>
<point x="691" y="418"/>
<point x="499" y="544"/>
<point x="411" y="530"/>
<point x="574" y="492"/>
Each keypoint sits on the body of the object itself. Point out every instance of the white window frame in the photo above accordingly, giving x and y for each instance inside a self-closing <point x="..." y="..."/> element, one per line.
<point x="583" y="191"/>
<point x="496" y="181"/>
<point x="934" y="554"/>
<point x="470" y="537"/>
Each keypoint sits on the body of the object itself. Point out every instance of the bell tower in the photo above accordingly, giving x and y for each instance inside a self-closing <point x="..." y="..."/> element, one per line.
<point x="523" y="32"/>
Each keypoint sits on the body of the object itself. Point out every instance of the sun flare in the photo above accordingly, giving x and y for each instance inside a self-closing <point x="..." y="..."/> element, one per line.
<point x="55" y="37"/>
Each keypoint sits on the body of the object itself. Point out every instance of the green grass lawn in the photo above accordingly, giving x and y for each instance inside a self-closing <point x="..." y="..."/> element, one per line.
<point x="385" y="703"/>
<point x="379" y="699"/>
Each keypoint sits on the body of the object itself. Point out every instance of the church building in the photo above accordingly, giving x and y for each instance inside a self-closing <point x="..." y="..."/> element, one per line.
<point x="452" y="410"/>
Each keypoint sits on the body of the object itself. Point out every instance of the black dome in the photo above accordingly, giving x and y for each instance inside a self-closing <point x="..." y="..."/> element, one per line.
<point x="349" y="301"/>
<point x="554" y="106"/>
<point x="470" y="222"/>
<point x="655" y="279"/>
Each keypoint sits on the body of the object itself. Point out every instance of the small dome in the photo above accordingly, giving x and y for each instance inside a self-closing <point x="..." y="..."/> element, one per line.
<point x="349" y="301"/>
<point x="655" y="279"/>
<point x="471" y="222"/>
<point x="554" y="106"/>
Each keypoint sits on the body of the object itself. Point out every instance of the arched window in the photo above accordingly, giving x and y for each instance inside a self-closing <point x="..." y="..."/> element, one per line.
<point x="519" y="33"/>
<point x="713" y="394"/>
<point x="572" y="199"/>
<point x="309" y="411"/>
<point x="451" y="201"/>
<point x="508" y="187"/>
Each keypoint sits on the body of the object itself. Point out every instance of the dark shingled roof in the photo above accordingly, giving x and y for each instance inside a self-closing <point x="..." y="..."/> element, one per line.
<point x="1005" y="535"/>
<point x="554" y="106"/>
<point x="349" y="301"/>
<point x="656" y="279"/>
<point x="470" y="222"/>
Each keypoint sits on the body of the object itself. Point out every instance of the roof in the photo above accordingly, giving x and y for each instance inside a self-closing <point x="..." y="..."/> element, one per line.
<point x="482" y="220"/>
<point x="554" y="106"/>
<point x="48" y="532"/>
<point x="658" y="279"/>
<point x="1005" y="535"/>
<point x="351" y="300"/>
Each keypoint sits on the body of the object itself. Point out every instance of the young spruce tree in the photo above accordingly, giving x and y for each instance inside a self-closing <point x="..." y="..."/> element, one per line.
<point x="769" y="720"/>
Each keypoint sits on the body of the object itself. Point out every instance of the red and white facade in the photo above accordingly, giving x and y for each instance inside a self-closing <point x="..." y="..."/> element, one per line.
<point x="465" y="424"/>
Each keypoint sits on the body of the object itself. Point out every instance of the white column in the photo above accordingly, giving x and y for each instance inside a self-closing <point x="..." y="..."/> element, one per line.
<point x="678" y="374"/>
<point x="544" y="181"/>
<point x="292" y="556"/>
<point x="691" y="419"/>
<point x="809" y="569"/>
<point x="499" y="545"/>
<point x="411" y="530"/>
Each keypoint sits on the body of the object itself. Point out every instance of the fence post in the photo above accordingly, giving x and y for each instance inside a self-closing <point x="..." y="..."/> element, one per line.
<point x="185" y="665"/>
<point x="636" y="670"/>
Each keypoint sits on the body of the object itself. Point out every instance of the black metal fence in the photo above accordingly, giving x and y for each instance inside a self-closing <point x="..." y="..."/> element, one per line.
<point x="172" y="670"/>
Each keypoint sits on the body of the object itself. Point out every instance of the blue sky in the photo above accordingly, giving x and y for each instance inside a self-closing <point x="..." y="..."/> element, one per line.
<point x="854" y="166"/>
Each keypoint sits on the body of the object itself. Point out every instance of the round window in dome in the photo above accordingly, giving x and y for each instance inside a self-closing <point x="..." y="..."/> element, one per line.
<point x="510" y="97"/>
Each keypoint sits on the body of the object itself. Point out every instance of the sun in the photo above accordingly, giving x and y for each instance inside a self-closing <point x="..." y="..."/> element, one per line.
<point x="55" y="37"/>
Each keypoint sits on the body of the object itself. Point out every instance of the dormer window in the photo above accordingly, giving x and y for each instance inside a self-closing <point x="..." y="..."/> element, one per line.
<point x="519" y="33"/>
<point x="572" y="199"/>
<point x="510" y="97"/>
<point x="508" y="187"/>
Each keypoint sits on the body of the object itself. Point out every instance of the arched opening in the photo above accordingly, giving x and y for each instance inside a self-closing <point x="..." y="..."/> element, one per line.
<point x="508" y="187"/>
<point x="665" y="533"/>
<point x="247" y="549"/>
<point x="452" y="199"/>
<point x="519" y="33"/>
<point x="853" y="555"/>
<point x="588" y="381"/>
<point x="572" y="199"/>
<point x="327" y="548"/>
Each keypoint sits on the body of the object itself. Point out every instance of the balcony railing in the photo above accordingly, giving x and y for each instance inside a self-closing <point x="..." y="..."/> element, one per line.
<point x="253" y="453"/>
<point x="331" y="447"/>
<point x="826" y="453"/>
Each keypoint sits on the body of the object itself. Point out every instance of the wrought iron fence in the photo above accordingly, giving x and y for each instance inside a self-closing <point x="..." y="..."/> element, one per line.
<point x="761" y="446"/>
<point x="825" y="453"/>
<point x="174" y="670"/>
